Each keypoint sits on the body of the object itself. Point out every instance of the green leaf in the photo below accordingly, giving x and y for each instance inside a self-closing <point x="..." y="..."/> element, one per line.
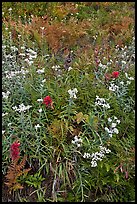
<point x="107" y="167"/>
<point x="117" y="177"/>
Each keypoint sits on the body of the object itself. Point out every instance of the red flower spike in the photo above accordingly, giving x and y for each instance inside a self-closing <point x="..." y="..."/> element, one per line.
<point x="115" y="74"/>
<point x="14" y="150"/>
<point x="48" y="102"/>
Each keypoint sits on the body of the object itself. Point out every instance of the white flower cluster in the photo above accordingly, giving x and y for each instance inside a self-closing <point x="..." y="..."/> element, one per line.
<point x="56" y="67"/>
<point x="11" y="74"/>
<point x="101" y="102"/>
<point x="31" y="56"/>
<point x="22" y="108"/>
<point x="77" y="141"/>
<point x="37" y="126"/>
<point x="40" y="71"/>
<point x="113" y="123"/>
<point x="103" y="66"/>
<point x="97" y="156"/>
<point x="73" y="92"/>
<point x="129" y="78"/>
<point x="5" y="95"/>
<point x="113" y="87"/>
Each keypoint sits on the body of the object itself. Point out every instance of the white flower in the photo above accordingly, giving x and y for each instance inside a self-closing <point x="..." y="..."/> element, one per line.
<point x="93" y="163"/>
<point x="128" y="82"/>
<point x="109" y="120"/>
<point x="70" y="68"/>
<point x="43" y="80"/>
<point x="113" y="125"/>
<point x="123" y="62"/>
<point x="9" y="124"/>
<point x="3" y="114"/>
<point x="37" y="126"/>
<point x="40" y="110"/>
<point x="106" y="129"/>
<point x="115" y="118"/>
<point x="73" y="142"/>
<point x="39" y="100"/>
<point x="77" y="141"/>
<point x="5" y="95"/>
<point x="78" y="145"/>
<point x="10" y="9"/>
<point x="3" y="131"/>
<point x="22" y="108"/>
<point x="115" y="130"/>
<point x="86" y="155"/>
<point x="72" y="93"/>
<point x="118" y="121"/>
<point x="40" y="71"/>
<point x="110" y="134"/>
<point x="122" y="83"/>
<point x="131" y="78"/>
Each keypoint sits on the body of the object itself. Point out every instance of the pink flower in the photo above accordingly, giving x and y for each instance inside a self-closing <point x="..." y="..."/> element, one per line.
<point x="14" y="150"/>
<point x="115" y="74"/>
<point x="48" y="102"/>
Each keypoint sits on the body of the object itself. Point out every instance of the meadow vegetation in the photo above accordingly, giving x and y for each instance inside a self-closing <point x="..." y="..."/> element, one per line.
<point x="68" y="102"/>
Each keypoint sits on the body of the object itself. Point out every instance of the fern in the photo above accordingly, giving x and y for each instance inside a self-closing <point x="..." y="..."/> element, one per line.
<point x="15" y="170"/>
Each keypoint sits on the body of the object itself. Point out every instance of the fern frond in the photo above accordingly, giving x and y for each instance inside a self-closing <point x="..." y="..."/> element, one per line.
<point x="15" y="170"/>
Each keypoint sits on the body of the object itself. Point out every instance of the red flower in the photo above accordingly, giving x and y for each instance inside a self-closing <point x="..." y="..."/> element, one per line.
<point x="48" y="102"/>
<point x="115" y="74"/>
<point x="14" y="150"/>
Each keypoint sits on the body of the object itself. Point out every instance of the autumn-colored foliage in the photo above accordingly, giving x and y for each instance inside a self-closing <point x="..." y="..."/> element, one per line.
<point x="15" y="170"/>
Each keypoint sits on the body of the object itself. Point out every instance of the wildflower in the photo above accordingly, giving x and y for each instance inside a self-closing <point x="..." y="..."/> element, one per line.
<point x="3" y="114"/>
<point x="3" y="131"/>
<point x="39" y="100"/>
<point x="113" y="87"/>
<point x="22" y="108"/>
<point x="37" y="126"/>
<point x="5" y="95"/>
<point x="10" y="9"/>
<point x="72" y="93"/>
<point x="115" y="74"/>
<point x="113" y="125"/>
<point x="109" y="120"/>
<point x="128" y="82"/>
<point x="70" y="68"/>
<point x="40" y="71"/>
<point x="40" y="110"/>
<point x="118" y="121"/>
<point x="86" y="155"/>
<point x="101" y="102"/>
<point x="43" y="80"/>
<point x="93" y="163"/>
<point x="14" y="150"/>
<point x="115" y="130"/>
<point x="48" y="102"/>
<point x="77" y="141"/>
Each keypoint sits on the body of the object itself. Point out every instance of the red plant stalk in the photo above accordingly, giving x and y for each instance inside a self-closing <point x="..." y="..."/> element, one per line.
<point x="48" y="102"/>
<point x="14" y="150"/>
